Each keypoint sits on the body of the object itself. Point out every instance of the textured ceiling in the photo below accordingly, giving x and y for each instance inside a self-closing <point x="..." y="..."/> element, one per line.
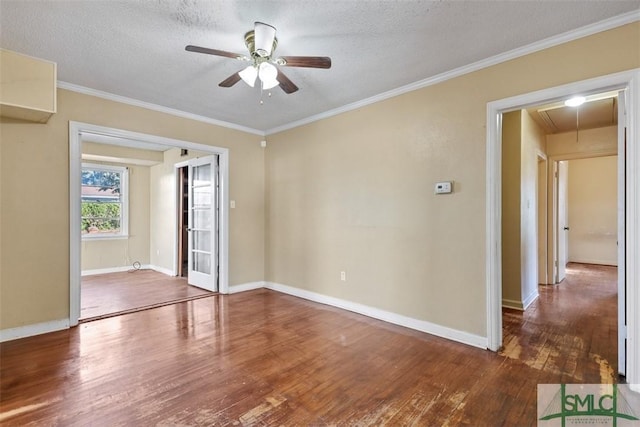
<point x="135" y="49"/>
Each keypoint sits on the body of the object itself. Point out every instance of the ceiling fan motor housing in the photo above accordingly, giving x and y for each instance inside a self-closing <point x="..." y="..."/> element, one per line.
<point x="250" y="42"/>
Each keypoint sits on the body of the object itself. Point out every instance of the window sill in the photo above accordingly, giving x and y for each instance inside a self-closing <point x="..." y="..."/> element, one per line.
<point x="87" y="238"/>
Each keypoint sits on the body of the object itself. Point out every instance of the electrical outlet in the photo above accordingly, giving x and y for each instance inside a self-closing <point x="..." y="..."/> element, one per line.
<point x="343" y="276"/>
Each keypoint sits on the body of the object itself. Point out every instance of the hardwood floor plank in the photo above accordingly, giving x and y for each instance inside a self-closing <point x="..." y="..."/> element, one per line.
<point x="264" y="358"/>
<point x="105" y="295"/>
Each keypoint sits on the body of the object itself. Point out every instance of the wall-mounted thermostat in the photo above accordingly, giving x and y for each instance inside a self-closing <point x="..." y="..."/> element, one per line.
<point x="444" y="187"/>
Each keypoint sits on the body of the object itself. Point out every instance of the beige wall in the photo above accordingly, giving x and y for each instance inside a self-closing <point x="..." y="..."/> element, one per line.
<point x="34" y="268"/>
<point x="511" y="207"/>
<point x="522" y="141"/>
<point x="354" y="192"/>
<point x="591" y="142"/>
<point x="593" y="210"/>
<point x="533" y="145"/>
<point x="110" y="253"/>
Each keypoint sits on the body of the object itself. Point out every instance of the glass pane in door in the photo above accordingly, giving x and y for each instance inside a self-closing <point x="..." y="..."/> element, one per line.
<point x="202" y="262"/>
<point x="201" y="215"/>
<point x="202" y="175"/>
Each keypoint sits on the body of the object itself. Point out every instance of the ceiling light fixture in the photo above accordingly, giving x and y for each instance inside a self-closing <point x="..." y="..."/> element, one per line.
<point x="266" y="72"/>
<point x="576" y="101"/>
<point x="249" y="75"/>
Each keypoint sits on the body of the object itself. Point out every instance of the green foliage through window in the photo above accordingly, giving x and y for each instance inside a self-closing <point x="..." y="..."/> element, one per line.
<point x="100" y="217"/>
<point x="102" y="204"/>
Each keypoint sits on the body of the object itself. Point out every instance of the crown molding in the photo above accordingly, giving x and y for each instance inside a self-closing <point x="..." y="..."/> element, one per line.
<point x="137" y="103"/>
<point x="607" y="24"/>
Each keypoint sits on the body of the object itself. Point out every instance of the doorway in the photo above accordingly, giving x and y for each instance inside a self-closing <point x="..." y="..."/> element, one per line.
<point x="630" y="159"/>
<point x="584" y="195"/>
<point x="133" y="140"/>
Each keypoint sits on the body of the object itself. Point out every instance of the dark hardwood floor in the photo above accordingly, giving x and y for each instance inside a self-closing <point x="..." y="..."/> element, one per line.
<point x="265" y="358"/>
<point x="572" y="329"/>
<point x="104" y="295"/>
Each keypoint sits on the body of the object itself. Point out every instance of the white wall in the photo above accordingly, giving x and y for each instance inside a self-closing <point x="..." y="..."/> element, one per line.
<point x="593" y="210"/>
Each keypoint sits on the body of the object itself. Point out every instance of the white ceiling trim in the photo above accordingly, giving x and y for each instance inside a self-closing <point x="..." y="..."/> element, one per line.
<point x="137" y="103"/>
<point x="585" y="31"/>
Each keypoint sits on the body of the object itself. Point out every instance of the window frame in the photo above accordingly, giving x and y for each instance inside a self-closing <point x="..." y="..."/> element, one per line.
<point x="124" y="200"/>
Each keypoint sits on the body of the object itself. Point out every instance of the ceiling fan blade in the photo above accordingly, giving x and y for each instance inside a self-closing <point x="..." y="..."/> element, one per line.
<point x="287" y="85"/>
<point x="264" y="35"/>
<point x="230" y="81"/>
<point x="216" y="52"/>
<point x="305" y="61"/>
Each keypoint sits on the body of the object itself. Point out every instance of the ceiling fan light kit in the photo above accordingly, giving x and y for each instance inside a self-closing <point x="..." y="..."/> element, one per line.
<point x="249" y="75"/>
<point x="261" y="42"/>
<point x="268" y="73"/>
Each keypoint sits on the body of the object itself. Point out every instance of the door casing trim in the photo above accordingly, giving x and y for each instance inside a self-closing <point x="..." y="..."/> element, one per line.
<point x="76" y="131"/>
<point x="627" y="79"/>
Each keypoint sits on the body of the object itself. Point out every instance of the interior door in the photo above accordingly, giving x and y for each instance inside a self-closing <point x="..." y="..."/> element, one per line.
<point x="563" y="219"/>
<point x="622" y="227"/>
<point x="203" y="229"/>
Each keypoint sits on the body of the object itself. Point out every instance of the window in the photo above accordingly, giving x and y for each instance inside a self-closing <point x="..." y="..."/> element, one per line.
<point x="105" y="197"/>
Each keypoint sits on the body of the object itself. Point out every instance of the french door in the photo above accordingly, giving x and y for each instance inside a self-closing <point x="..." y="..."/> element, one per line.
<point x="203" y="223"/>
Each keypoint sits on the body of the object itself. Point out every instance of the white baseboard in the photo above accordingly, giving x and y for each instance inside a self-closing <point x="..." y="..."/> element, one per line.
<point x="162" y="270"/>
<point x="531" y="298"/>
<point x="246" y="287"/>
<point x="31" y="330"/>
<point x="595" y="261"/>
<point x="376" y="313"/>
<point x="106" y="270"/>
<point x="520" y="305"/>
<point x="387" y="316"/>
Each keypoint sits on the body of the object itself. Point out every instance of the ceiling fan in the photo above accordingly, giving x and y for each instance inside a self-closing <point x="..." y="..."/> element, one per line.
<point x="261" y="43"/>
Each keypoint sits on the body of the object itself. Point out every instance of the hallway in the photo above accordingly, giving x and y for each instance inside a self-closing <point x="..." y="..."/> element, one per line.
<point x="571" y="329"/>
